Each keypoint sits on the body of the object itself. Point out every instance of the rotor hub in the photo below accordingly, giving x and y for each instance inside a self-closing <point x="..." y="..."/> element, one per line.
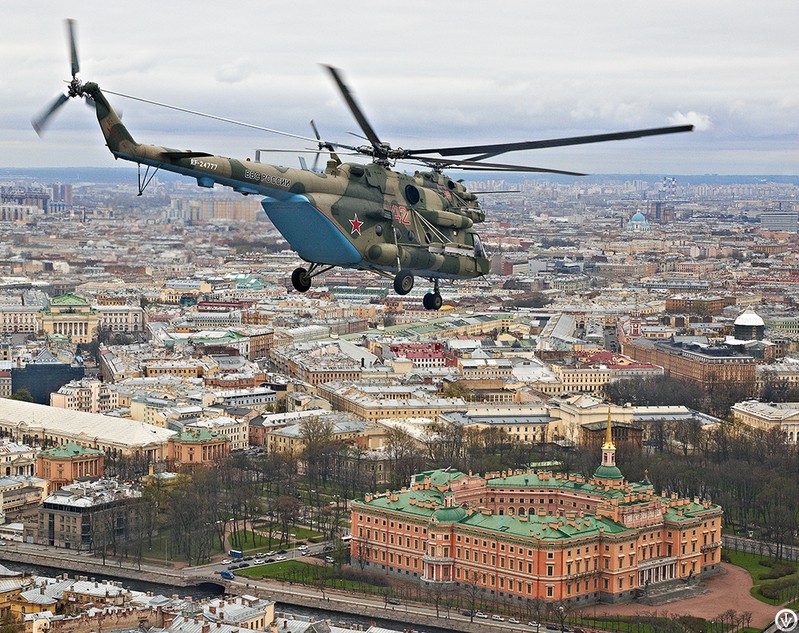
<point x="75" y="88"/>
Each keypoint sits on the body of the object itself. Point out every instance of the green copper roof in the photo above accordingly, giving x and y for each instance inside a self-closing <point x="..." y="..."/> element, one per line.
<point x="427" y="505"/>
<point x="69" y="450"/>
<point x="441" y="477"/>
<point x="545" y="527"/>
<point x="195" y="435"/>
<point x="608" y="472"/>
<point x="449" y="515"/>
<point x="68" y="299"/>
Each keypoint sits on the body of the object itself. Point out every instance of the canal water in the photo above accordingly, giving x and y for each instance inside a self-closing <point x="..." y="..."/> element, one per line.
<point x="207" y="590"/>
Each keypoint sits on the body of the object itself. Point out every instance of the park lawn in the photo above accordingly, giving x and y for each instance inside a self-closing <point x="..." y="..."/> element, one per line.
<point x="246" y="542"/>
<point x="751" y="563"/>
<point x="300" y="533"/>
<point x="303" y="533"/>
<point x="285" y="570"/>
<point x="308" y="573"/>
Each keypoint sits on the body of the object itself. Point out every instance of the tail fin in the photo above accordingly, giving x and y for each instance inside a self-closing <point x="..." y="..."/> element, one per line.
<point x="116" y="135"/>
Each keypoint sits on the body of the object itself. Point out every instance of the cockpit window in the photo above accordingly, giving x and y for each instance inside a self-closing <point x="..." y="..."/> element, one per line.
<point x="479" y="249"/>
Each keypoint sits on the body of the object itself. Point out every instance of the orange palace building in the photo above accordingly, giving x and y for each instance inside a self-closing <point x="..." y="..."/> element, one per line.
<point x="524" y="535"/>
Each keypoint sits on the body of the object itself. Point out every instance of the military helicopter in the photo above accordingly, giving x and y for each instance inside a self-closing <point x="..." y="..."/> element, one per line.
<point x="353" y="215"/>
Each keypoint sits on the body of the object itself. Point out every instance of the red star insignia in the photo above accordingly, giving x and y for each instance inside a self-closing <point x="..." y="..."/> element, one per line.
<point x="356" y="225"/>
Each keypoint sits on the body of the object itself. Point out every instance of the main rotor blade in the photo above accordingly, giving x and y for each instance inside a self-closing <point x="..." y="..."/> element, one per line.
<point x="371" y="135"/>
<point x="501" y="148"/>
<point x="40" y="121"/>
<point x="473" y="165"/>
<point x="73" y="49"/>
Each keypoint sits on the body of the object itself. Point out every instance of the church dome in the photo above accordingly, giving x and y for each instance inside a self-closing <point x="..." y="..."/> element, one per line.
<point x="748" y="318"/>
<point x="449" y="515"/>
<point x="638" y="217"/>
<point x="608" y="472"/>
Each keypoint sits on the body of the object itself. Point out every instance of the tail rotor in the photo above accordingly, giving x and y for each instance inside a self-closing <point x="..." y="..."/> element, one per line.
<point x="74" y="87"/>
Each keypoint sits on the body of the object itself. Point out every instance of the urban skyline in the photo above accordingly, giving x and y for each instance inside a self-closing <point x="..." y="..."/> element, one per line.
<point x="514" y="73"/>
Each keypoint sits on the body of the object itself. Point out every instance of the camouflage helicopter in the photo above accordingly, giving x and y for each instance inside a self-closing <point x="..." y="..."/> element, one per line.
<point x="353" y="215"/>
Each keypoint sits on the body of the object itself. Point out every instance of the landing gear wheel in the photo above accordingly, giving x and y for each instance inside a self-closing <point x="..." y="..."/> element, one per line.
<point x="403" y="282"/>
<point x="301" y="280"/>
<point x="432" y="301"/>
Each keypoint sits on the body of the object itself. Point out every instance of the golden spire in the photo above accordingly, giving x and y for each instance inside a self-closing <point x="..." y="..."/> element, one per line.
<point x="609" y="445"/>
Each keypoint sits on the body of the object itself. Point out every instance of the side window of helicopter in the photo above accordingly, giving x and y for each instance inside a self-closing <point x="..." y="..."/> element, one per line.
<point x="379" y="230"/>
<point x="428" y="237"/>
<point x="397" y="235"/>
<point x="411" y="236"/>
<point x="479" y="249"/>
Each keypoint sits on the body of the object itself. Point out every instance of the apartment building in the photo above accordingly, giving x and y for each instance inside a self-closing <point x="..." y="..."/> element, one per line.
<point x="91" y="396"/>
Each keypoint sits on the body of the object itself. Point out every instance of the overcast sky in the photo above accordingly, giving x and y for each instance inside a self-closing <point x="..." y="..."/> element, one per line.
<point x="425" y="73"/>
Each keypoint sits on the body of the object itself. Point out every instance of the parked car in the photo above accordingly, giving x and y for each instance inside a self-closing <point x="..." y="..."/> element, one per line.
<point x="497" y="618"/>
<point x="243" y="565"/>
<point x="258" y="561"/>
<point x="330" y="559"/>
<point x="480" y="614"/>
<point x="227" y="575"/>
<point x="467" y="613"/>
<point x="533" y="623"/>
<point x="393" y="601"/>
<point x="227" y="561"/>
<point x="281" y="557"/>
<point x="271" y="553"/>
<point x="282" y="551"/>
<point x="270" y="560"/>
<point x="513" y="621"/>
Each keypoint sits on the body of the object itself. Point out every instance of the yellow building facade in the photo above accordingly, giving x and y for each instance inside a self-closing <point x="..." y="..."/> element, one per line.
<point x="72" y="316"/>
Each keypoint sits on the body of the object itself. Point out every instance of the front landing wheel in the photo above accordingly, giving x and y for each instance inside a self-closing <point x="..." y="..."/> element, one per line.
<point x="301" y="280"/>
<point x="403" y="282"/>
<point x="432" y="301"/>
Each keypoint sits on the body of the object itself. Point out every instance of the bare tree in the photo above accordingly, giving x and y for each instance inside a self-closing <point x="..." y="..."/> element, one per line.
<point x="560" y="610"/>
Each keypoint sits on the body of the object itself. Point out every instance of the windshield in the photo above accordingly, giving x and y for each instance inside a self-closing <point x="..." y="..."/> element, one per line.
<point x="479" y="249"/>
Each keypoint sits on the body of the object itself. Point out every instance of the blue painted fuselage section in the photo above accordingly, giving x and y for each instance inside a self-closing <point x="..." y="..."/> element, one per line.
<point x="310" y="232"/>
